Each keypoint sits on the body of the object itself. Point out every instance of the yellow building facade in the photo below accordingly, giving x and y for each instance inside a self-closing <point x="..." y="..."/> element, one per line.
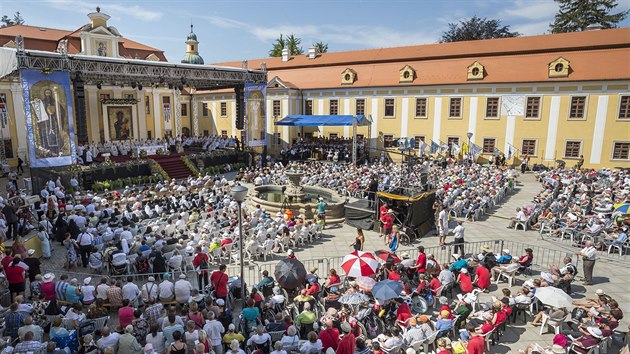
<point x="552" y="97"/>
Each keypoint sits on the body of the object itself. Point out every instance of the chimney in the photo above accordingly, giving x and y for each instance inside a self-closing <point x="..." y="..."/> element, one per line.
<point x="312" y="53"/>
<point x="594" y="27"/>
<point x="263" y="66"/>
<point x="244" y="64"/>
<point x="285" y="54"/>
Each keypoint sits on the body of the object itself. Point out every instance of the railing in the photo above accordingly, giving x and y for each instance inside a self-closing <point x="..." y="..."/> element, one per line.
<point x="544" y="258"/>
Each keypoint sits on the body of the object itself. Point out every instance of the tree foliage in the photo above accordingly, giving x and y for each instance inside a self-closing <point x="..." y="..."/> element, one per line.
<point x="476" y="28"/>
<point x="576" y="15"/>
<point x="16" y="20"/>
<point x="293" y="44"/>
<point x="321" y="47"/>
<point x="278" y="46"/>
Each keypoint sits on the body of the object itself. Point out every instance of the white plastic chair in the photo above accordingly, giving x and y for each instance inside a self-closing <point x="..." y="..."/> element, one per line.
<point x="548" y="322"/>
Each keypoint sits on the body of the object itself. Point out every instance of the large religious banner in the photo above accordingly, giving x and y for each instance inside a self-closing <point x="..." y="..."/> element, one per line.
<point x="49" y="123"/>
<point x="255" y="121"/>
<point x="120" y="122"/>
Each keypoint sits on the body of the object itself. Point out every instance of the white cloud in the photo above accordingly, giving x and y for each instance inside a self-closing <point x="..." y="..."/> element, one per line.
<point x="357" y="35"/>
<point x="85" y="7"/>
<point x="532" y="28"/>
<point x="530" y="10"/>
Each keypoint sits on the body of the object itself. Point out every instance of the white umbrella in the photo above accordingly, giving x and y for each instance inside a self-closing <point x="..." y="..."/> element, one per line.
<point x="552" y="296"/>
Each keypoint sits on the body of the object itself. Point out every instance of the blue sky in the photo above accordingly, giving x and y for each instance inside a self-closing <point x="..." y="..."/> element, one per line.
<point x="237" y="30"/>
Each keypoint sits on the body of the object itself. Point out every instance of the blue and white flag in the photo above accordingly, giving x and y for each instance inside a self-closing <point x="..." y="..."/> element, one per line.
<point x="496" y="151"/>
<point x="476" y="150"/>
<point x="455" y="149"/>
<point x="443" y="147"/>
<point x="511" y="151"/>
<point x="423" y="147"/>
<point x="434" y="147"/>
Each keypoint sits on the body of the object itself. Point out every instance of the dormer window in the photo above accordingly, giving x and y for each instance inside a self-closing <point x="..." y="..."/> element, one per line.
<point x="476" y="71"/>
<point x="348" y="77"/>
<point x="407" y="74"/>
<point x="559" y="68"/>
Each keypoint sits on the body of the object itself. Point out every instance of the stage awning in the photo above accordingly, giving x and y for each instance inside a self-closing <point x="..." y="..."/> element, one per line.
<point x="322" y="120"/>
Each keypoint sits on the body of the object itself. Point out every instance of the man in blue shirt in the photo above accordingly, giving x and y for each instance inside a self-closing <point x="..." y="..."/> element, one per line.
<point x="321" y="211"/>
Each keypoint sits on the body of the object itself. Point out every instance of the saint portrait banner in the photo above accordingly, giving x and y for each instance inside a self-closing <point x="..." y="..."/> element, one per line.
<point x="120" y="122"/>
<point x="255" y="118"/>
<point x="48" y="112"/>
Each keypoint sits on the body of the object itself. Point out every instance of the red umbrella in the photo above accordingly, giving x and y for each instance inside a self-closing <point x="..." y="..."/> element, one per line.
<point x="387" y="256"/>
<point x="359" y="263"/>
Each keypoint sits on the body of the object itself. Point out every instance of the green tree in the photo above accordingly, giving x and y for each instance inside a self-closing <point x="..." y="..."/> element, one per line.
<point x="476" y="28"/>
<point x="293" y="43"/>
<point x="576" y="15"/>
<point x="16" y="20"/>
<point x="278" y="46"/>
<point x="321" y="47"/>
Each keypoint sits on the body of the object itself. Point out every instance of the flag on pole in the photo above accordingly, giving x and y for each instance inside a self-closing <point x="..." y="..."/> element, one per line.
<point x="465" y="149"/>
<point x="476" y="150"/>
<point x="455" y="149"/>
<point x="496" y="152"/>
<point x="511" y="151"/>
<point x="443" y="147"/>
<point x="423" y="147"/>
<point x="434" y="147"/>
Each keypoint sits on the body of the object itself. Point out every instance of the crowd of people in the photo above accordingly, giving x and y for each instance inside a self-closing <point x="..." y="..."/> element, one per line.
<point x="87" y="153"/>
<point x="330" y="149"/>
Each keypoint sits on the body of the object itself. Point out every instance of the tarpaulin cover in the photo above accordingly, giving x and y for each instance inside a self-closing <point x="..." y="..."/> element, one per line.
<point x="359" y="215"/>
<point x="323" y="120"/>
<point x="417" y="210"/>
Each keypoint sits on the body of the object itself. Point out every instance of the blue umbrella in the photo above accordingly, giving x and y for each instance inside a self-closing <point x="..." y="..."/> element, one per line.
<point x="387" y="289"/>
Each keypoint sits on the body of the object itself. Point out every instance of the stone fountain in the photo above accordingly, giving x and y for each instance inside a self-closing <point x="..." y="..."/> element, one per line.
<point x="300" y="199"/>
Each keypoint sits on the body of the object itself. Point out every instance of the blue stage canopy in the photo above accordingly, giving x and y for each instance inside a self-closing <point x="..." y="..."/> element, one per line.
<point x="325" y="120"/>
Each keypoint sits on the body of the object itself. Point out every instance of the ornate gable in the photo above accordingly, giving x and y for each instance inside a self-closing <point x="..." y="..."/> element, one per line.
<point x="476" y="71"/>
<point x="559" y="68"/>
<point x="407" y="74"/>
<point x="348" y="77"/>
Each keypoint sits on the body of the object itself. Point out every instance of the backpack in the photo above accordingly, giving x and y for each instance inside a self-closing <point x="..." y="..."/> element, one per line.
<point x="142" y="265"/>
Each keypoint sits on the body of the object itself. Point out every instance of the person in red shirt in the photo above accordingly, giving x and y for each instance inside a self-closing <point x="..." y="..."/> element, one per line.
<point x="435" y="283"/>
<point x="329" y="335"/>
<point x="347" y="343"/>
<point x="219" y="281"/>
<point x="333" y="279"/>
<point x="382" y="211"/>
<point x="16" y="278"/>
<point x="388" y="223"/>
<point x="499" y="315"/>
<point x="421" y="263"/>
<point x="394" y="274"/>
<point x="486" y="326"/>
<point x="6" y="261"/>
<point x="444" y="302"/>
<point x="403" y="313"/>
<point x="291" y="254"/>
<point x="465" y="283"/>
<point x="201" y="263"/>
<point x="125" y="313"/>
<point x="482" y="277"/>
<point x="47" y="287"/>
<point x="312" y="287"/>
<point x="477" y="343"/>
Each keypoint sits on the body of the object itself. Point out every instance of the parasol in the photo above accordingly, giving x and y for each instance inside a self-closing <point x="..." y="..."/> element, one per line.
<point x="354" y="299"/>
<point x="387" y="256"/>
<point x="555" y="297"/>
<point x="359" y="263"/>
<point x="290" y="273"/>
<point x="623" y="208"/>
<point x="365" y="283"/>
<point x="387" y="289"/>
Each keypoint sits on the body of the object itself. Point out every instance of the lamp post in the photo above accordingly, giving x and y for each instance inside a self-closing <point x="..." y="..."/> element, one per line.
<point x="470" y="156"/>
<point x="239" y="193"/>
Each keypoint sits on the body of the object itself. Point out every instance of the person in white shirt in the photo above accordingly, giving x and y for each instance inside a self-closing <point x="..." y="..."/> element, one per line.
<point x="182" y="289"/>
<point x="130" y="290"/>
<point x="108" y="340"/>
<point x="520" y="217"/>
<point x="149" y="291"/>
<point x="88" y="291"/>
<point x="101" y="289"/>
<point x="443" y="225"/>
<point x="588" y="253"/>
<point x="215" y="330"/>
<point x="458" y="244"/>
<point x="166" y="289"/>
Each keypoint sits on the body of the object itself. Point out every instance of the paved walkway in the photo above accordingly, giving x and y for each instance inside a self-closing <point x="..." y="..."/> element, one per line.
<point x="337" y="239"/>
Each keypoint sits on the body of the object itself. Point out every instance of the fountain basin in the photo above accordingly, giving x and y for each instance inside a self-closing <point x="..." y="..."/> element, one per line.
<point x="272" y="198"/>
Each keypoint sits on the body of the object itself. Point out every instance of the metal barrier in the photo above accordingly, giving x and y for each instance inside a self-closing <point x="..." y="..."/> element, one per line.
<point x="544" y="258"/>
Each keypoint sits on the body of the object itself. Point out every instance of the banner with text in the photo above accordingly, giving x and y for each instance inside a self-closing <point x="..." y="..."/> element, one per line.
<point x="49" y="123"/>
<point x="255" y="117"/>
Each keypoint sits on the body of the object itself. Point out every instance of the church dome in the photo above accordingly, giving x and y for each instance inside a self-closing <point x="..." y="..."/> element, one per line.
<point x="191" y="36"/>
<point x="190" y="58"/>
